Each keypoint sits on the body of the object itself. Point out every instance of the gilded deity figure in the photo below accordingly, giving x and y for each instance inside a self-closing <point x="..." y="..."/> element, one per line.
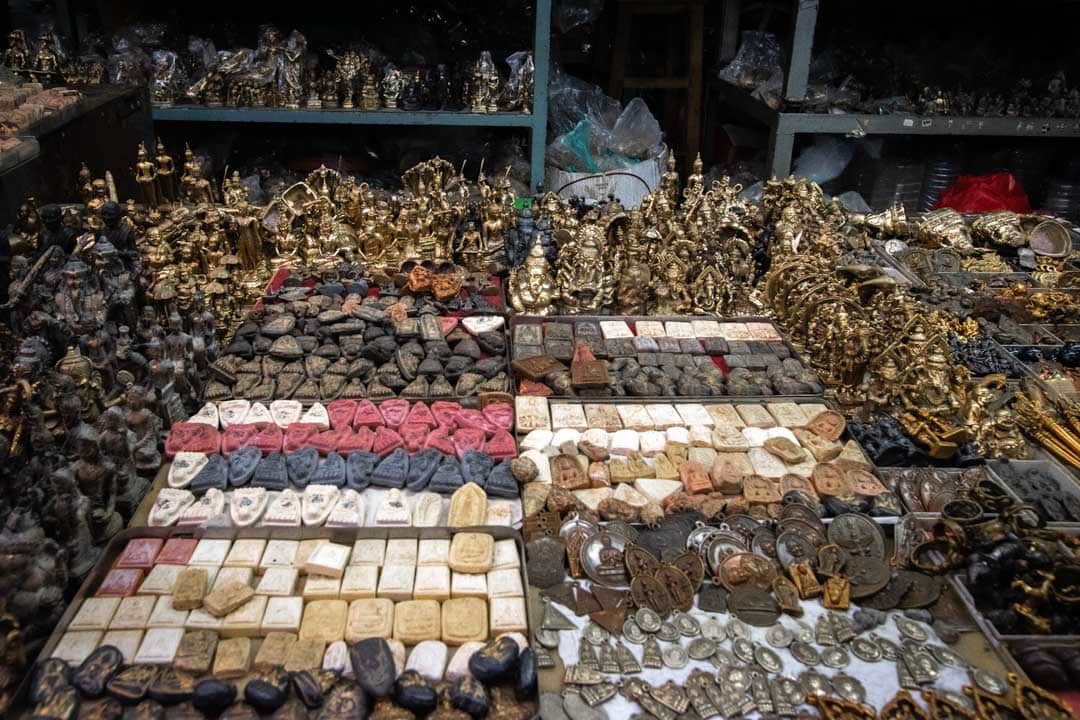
<point x="532" y="287"/>
<point x="165" y="175"/>
<point x="146" y="177"/>
<point x="584" y="277"/>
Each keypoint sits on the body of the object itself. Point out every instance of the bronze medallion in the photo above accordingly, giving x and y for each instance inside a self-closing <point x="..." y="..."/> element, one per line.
<point x="858" y="535"/>
<point x="764" y="543"/>
<point x="889" y="596"/>
<point x="827" y="424"/>
<point x="867" y="576"/>
<point x="692" y="567"/>
<point x="754" y="607"/>
<point x="746" y="570"/>
<point x="742" y="525"/>
<point x="812" y="531"/>
<point x="792" y="547"/>
<point x="648" y="592"/>
<point x="639" y="561"/>
<point x="678" y="586"/>
<point x="830" y="480"/>
<point x="922" y="592"/>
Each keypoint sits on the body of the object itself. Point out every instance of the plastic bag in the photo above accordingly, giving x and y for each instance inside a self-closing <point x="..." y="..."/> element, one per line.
<point x="760" y="55"/>
<point x="636" y="133"/>
<point x="593" y="132"/>
<point x="571" y="100"/>
<point x="517" y="93"/>
<point x="570" y="14"/>
<point x="571" y="152"/>
<point x="127" y="64"/>
<point x="824" y="160"/>
<point x="169" y="78"/>
<point x="203" y="55"/>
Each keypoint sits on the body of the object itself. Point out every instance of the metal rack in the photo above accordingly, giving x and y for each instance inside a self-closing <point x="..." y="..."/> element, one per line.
<point x="784" y="126"/>
<point x="536" y="120"/>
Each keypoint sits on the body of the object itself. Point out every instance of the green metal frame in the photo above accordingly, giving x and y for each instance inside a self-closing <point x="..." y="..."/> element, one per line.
<point x="536" y="120"/>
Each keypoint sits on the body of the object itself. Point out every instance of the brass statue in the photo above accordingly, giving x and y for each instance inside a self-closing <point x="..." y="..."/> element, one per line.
<point x="532" y="287"/>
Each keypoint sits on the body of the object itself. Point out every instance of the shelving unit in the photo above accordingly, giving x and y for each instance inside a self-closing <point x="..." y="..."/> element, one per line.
<point x="784" y="126"/>
<point x="536" y="121"/>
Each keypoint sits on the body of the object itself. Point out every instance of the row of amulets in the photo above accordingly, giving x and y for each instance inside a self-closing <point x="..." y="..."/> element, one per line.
<point x="346" y="426"/>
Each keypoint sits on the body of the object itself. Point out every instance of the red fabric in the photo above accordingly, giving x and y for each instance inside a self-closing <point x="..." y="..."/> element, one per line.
<point x="985" y="193"/>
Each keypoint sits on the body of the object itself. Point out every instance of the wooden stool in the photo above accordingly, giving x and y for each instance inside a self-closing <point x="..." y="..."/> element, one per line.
<point x="691" y="83"/>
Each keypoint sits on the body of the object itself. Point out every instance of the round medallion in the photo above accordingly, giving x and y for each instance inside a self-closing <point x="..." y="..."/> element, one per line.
<point x="814" y="683"/>
<point x="805" y="653"/>
<point x="700" y="536"/>
<point x="602" y="559"/>
<point x="743" y="649"/>
<point x="647" y="619"/>
<point x="792" y="546"/>
<point x="754" y="607"/>
<point x="867" y="575"/>
<point x="746" y="570"/>
<point x="633" y="632"/>
<point x="764" y="543"/>
<point x="858" y="535"/>
<point x="804" y="632"/>
<point x="736" y="628"/>
<point x="687" y="625"/>
<point x="889" y="650"/>
<point x="720" y="546"/>
<point x="723" y="658"/>
<point x="576" y="523"/>
<point x="701" y="649"/>
<point x="779" y="636"/>
<point x="911" y="629"/>
<point x="667" y="632"/>
<point x="865" y="649"/>
<point x="947" y="656"/>
<point x="989" y="682"/>
<point x="713" y="630"/>
<point x="835" y="657"/>
<point x="848" y="688"/>
<point x="791" y="690"/>
<point x="767" y="659"/>
<point x="675" y="657"/>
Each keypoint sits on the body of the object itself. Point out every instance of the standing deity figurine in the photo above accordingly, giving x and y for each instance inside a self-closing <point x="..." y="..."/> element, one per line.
<point x="146" y="177"/>
<point x="166" y="175"/>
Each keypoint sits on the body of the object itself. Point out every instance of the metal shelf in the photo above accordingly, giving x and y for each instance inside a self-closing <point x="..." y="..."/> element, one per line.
<point x="536" y="121"/>
<point x="784" y="126"/>
<point x="200" y="113"/>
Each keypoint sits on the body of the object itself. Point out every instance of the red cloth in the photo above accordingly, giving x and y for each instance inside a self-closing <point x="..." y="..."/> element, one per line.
<point x="985" y="193"/>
